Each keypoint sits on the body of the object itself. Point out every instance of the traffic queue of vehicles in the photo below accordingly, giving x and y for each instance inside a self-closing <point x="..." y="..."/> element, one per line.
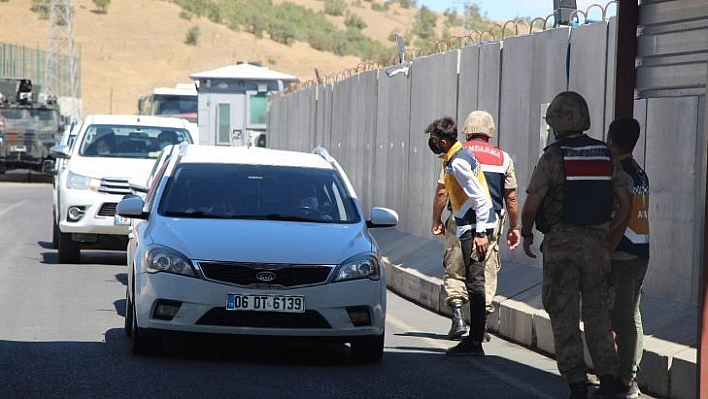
<point x="230" y="241"/>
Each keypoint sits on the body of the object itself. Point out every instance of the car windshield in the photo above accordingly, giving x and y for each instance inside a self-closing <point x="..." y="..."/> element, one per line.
<point x="238" y="191"/>
<point x="125" y="141"/>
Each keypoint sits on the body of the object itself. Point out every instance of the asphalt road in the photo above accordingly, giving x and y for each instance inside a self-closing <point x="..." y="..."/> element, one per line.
<point x="61" y="335"/>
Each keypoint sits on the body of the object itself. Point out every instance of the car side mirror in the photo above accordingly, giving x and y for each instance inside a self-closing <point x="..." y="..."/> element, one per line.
<point x="49" y="166"/>
<point x="382" y="217"/>
<point x="131" y="206"/>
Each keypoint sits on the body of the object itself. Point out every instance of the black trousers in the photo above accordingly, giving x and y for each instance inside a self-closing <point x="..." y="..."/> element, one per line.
<point x="474" y="276"/>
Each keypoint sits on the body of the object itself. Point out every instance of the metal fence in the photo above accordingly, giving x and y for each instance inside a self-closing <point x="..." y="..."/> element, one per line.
<point x="26" y="62"/>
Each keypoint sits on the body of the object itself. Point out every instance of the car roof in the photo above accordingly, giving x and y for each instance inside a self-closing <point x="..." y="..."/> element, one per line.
<point x="142" y="120"/>
<point x="252" y="156"/>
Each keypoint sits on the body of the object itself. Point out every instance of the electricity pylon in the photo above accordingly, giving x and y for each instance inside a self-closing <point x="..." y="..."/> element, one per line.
<point x="60" y="75"/>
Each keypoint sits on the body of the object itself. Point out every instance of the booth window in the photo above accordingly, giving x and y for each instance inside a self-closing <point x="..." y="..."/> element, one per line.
<point x="223" y="118"/>
<point x="258" y="109"/>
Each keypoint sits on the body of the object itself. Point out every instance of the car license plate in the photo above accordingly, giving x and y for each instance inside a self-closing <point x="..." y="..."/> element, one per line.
<point x="120" y="220"/>
<point x="266" y="303"/>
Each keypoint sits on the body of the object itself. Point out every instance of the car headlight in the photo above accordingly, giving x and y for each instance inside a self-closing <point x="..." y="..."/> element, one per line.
<point x="79" y="182"/>
<point x="163" y="259"/>
<point x="366" y="266"/>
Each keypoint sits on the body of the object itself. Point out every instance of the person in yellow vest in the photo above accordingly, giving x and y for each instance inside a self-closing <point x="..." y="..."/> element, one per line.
<point x="474" y="217"/>
<point x="630" y="259"/>
<point x="498" y="168"/>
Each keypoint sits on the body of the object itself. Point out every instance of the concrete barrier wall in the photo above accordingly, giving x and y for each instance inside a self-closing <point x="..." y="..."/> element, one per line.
<point x="373" y="124"/>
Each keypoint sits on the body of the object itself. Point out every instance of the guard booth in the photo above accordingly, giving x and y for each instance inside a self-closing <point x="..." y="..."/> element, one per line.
<point x="233" y="103"/>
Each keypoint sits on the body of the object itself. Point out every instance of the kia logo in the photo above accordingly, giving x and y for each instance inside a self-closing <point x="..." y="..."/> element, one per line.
<point x="266" y="276"/>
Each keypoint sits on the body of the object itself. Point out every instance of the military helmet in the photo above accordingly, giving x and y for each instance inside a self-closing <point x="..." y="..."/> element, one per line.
<point x="479" y="122"/>
<point x="568" y="112"/>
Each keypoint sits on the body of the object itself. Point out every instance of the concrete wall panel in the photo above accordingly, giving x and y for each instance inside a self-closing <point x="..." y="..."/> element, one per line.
<point x="672" y="178"/>
<point x="518" y="138"/>
<point x="468" y="89"/>
<point x="324" y="114"/>
<point x="479" y="83"/>
<point x="363" y="132"/>
<point x="392" y="142"/>
<point x="588" y="67"/>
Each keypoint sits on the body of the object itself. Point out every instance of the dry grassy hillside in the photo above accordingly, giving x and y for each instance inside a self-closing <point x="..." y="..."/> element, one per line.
<point x="139" y="45"/>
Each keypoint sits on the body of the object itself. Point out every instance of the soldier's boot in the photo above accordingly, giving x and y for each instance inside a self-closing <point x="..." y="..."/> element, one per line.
<point x="459" y="327"/>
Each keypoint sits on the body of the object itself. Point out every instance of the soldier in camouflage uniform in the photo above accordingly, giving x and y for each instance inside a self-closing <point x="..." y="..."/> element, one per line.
<point x="570" y="200"/>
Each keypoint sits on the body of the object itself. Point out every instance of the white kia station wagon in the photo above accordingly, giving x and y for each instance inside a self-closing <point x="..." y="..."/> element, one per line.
<point x="250" y="241"/>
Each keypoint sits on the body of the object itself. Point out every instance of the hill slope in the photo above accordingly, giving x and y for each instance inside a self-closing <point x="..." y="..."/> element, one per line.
<point x="139" y="44"/>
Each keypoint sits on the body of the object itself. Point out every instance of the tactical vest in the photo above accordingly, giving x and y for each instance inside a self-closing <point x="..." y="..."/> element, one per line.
<point x="587" y="190"/>
<point x="492" y="160"/>
<point x="455" y="192"/>
<point x="636" y="237"/>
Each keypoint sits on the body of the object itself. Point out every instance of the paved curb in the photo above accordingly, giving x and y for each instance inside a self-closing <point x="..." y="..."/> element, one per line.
<point x="668" y="367"/>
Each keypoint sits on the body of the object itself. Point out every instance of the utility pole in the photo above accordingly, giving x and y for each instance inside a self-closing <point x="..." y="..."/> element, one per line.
<point x="60" y="75"/>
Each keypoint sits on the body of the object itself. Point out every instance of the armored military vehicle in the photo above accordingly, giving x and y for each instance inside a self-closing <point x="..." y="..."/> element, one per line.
<point x="29" y="125"/>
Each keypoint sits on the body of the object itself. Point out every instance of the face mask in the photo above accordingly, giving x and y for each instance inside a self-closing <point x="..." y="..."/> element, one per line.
<point x="435" y="146"/>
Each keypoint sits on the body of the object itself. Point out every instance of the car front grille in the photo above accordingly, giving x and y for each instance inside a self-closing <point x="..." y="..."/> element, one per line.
<point x="240" y="318"/>
<point x="284" y="275"/>
<point x="108" y="209"/>
<point x="114" y="186"/>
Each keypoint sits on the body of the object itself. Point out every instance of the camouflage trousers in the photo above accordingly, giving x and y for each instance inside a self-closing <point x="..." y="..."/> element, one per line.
<point x="454" y="265"/>
<point x="576" y="270"/>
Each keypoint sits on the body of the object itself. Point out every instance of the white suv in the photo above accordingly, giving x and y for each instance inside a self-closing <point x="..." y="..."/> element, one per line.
<point x="241" y="241"/>
<point x="110" y="154"/>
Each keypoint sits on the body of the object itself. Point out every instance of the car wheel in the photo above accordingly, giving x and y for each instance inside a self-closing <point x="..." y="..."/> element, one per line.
<point x="367" y="349"/>
<point x="141" y="343"/>
<point x="69" y="251"/>
<point x="128" y="325"/>
<point x="55" y="234"/>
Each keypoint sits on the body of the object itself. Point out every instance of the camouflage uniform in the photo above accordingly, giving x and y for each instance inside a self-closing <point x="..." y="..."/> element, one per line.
<point x="576" y="263"/>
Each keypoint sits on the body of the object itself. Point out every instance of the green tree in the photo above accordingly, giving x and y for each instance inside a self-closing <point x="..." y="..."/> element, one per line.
<point x="335" y="7"/>
<point x="354" y="21"/>
<point x="424" y="25"/>
<point x="41" y="7"/>
<point x="192" y="36"/>
<point x="102" y="5"/>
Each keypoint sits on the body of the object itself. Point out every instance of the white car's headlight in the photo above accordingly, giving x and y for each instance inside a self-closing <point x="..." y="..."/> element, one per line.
<point x="79" y="182"/>
<point x="363" y="266"/>
<point x="163" y="259"/>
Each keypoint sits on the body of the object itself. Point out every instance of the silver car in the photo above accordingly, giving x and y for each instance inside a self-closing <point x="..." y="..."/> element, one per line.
<point x="254" y="242"/>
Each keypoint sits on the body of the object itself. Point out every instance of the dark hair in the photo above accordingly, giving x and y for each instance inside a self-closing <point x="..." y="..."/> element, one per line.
<point x="444" y="128"/>
<point x="624" y="133"/>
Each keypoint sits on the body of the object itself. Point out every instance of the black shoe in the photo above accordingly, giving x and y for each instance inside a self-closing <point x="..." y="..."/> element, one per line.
<point x="578" y="390"/>
<point x="610" y="387"/>
<point x="466" y="347"/>
<point x="628" y="392"/>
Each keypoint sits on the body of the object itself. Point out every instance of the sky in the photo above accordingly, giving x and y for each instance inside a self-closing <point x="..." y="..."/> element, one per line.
<point x="504" y="10"/>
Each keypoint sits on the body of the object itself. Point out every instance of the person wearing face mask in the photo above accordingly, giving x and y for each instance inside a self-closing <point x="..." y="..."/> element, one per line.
<point x="500" y="175"/>
<point x="471" y="206"/>
<point x="570" y="199"/>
